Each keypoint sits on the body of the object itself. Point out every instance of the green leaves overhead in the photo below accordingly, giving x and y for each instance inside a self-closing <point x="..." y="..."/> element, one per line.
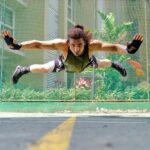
<point x="111" y="31"/>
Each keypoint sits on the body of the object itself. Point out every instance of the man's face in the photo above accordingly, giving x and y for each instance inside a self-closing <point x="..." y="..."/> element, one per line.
<point x="76" y="46"/>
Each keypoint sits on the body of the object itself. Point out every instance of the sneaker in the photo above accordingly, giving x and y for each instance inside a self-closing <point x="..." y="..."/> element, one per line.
<point x="16" y="75"/>
<point x="120" y="69"/>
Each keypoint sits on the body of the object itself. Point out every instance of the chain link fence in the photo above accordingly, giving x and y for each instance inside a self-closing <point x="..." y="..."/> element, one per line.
<point x="49" y="19"/>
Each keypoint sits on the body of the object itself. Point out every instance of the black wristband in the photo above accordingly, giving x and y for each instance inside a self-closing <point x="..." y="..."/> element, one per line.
<point x="8" y="40"/>
<point x="133" y="46"/>
<point x="16" y="46"/>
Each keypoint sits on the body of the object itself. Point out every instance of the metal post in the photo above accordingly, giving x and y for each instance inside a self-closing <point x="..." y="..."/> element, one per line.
<point x="146" y="41"/>
<point x="2" y="50"/>
<point x="93" y="85"/>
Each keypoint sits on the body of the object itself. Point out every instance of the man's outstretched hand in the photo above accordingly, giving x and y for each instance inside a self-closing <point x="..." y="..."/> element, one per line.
<point x="10" y="41"/>
<point x="134" y="45"/>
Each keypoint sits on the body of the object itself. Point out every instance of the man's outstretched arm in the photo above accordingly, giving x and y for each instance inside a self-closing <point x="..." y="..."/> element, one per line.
<point x="56" y="44"/>
<point x="131" y="47"/>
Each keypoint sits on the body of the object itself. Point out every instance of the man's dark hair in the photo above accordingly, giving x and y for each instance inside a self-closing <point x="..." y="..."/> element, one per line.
<point x="78" y="32"/>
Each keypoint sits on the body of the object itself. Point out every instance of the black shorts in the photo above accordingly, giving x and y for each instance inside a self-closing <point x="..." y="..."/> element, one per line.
<point x="59" y="65"/>
<point x="93" y="62"/>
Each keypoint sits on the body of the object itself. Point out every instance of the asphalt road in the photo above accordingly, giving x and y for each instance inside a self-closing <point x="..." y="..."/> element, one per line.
<point x="75" y="133"/>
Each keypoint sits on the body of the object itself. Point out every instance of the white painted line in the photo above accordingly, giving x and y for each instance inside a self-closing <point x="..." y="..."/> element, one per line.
<point x="15" y="115"/>
<point x="112" y="122"/>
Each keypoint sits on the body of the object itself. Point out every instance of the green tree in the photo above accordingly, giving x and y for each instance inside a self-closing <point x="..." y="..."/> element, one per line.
<point x="114" y="33"/>
<point x="111" y="31"/>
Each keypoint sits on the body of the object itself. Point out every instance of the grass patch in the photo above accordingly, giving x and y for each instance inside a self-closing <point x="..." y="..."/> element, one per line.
<point x="72" y="107"/>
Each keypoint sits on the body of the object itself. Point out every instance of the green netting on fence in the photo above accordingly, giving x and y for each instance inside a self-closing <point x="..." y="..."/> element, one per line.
<point x="114" y="21"/>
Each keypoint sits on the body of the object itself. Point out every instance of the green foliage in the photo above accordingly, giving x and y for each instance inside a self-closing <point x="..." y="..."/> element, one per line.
<point x="111" y="31"/>
<point x="10" y="92"/>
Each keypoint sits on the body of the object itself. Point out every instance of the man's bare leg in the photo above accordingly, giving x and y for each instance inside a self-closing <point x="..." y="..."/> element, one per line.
<point x="36" y="68"/>
<point x="108" y="63"/>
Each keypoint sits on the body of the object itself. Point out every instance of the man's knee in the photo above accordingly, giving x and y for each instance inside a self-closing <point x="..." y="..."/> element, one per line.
<point x="44" y="68"/>
<point x="104" y="63"/>
<point x="48" y="67"/>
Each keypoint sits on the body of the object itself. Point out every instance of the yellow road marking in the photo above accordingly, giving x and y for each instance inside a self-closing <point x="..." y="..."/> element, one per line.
<point x="57" y="139"/>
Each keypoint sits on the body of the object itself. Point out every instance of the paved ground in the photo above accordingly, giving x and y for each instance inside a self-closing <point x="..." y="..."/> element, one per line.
<point x="74" y="132"/>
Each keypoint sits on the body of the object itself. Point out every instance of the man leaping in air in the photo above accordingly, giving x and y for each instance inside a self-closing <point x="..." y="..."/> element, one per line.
<point x="77" y="52"/>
